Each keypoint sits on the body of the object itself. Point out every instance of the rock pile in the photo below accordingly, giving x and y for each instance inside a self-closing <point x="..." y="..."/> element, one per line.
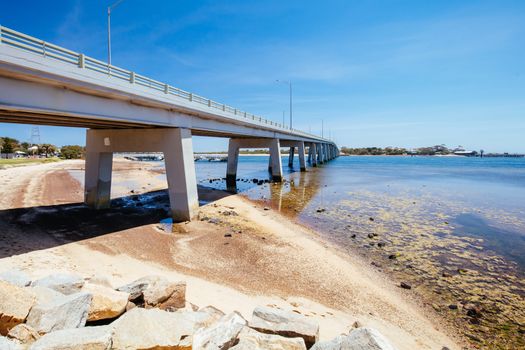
<point x="64" y="311"/>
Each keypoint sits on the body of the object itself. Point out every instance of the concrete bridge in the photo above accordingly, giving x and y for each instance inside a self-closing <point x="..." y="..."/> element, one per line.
<point x="42" y="83"/>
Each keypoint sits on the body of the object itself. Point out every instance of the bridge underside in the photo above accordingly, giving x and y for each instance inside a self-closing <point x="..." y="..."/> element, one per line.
<point x="123" y="117"/>
<point x="40" y="118"/>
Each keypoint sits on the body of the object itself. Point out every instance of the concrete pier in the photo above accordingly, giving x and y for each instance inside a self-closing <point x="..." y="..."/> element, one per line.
<point x="291" y="154"/>
<point x="175" y="143"/>
<point x="274" y="165"/>
<point x="313" y="146"/>
<point x="300" y="150"/>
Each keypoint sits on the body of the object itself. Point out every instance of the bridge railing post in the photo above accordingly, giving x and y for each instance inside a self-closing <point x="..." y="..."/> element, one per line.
<point x="81" y="61"/>
<point x="132" y="77"/>
<point x="166" y="89"/>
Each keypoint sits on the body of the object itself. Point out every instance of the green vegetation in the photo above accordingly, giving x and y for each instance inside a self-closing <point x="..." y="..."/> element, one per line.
<point x="72" y="152"/>
<point x="395" y="151"/>
<point x="9" y="146"/>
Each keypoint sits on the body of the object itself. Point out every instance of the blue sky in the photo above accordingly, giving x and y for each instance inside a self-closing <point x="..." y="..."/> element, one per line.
<point x="379" y="73"/>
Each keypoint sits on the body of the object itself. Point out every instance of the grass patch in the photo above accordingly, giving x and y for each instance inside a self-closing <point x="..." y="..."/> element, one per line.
<point x="7" y="163"/>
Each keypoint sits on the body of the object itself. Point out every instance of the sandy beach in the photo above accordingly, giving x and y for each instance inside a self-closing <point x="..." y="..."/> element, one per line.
<point x="236" y="256"/>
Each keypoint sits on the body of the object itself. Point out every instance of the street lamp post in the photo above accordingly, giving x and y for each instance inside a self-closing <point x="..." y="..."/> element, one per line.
<point x="109" y="28"/>
<point x="289" y="83"/>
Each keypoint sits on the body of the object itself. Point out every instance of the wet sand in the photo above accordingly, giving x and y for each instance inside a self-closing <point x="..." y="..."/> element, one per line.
<point x="267" y="259"/>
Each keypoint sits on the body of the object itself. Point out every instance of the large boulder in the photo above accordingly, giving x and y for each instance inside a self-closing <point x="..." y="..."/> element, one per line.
<point x="156" y="291"/>
<point x="69" y="311"/>
<point x="367" y="339"/>
<point x="338" y="343"/>
<point x="250" y="339"/>
<point x="284" y="323"/>
<point x="165" y="294"/>
<point x="23" y="333"/>
<point x="9" y="344"/>
<point x="106" y="302"/>
<point x="137" y="287"/>
<point x="15" y="304"/>
<point x="152" y="329"/>
<point x="358" y="339"/>
<point x="206" y="316"/>
<point x="65" y="283"/>
<point x="45" y="295"/>
<point x="221" y="335"/>
<point x="16" y="277"/>
<point x="91" y="338"/>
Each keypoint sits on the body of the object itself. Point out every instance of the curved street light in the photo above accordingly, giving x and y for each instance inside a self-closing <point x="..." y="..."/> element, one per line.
<point x="109" y="27"/>
<point x="289" y="83"/>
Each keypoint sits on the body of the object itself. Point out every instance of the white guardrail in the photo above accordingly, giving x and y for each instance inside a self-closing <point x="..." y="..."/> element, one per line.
<point x="30" y="44"/>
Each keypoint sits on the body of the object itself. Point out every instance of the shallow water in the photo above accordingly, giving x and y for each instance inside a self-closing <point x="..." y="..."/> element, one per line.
<point x="462" y="218"/>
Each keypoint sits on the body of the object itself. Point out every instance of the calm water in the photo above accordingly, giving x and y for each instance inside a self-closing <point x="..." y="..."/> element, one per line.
<point x="453" y="227"/>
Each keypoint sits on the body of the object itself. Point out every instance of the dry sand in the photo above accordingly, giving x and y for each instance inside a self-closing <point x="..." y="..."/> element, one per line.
<point x="268" y="260"/>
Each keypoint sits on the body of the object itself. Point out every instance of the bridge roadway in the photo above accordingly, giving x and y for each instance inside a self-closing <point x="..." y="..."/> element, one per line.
<point x="44" y="84"/>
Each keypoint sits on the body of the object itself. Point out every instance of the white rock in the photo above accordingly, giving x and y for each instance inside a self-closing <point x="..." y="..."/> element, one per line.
<point x="165" y="294"/>
<point x="65" y="283"/>
<point x="221" y="335"/>
<point x="137" y="287"/>
<point x="284" y="323"/>
<point x="250" y="339"/>
<point x="152" y="329"/>
<point x="358" y="339"/>
<point x="334" y="344"/>
<point x="15" y="304"/>
<point x="203" y="318"/>
<point x="9" y="344"/>
<point x="367" y="339"/>
<point x="16" y="277"/>
<point x="45" y="295"/>
<point x="106" y="302"/>
<point x="23" y="333"/>
<point x="92" y="338"/>
<point x="70" y="311"/>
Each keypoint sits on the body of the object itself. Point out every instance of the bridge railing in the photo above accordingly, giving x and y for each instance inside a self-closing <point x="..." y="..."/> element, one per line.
<point x="30" y="44"/>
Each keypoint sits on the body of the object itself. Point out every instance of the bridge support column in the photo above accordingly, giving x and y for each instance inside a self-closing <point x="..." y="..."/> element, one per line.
<point x="97" y="177"/>
<point x="233" y="160"/>
<point x="320" y="153"/>
<point x="275" y="156"/>
<point x="291" y="155"/>
<point x="180" y="173"/>
<point x="175" y="143"/>
<point x="274" y="162"/>
<point x="302" y="161"/>
<point x="313" y="147"/>
<point x="309" y="154"/>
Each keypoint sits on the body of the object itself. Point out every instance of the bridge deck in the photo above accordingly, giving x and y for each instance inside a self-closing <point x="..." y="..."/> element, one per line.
<point x="29" y="66"/>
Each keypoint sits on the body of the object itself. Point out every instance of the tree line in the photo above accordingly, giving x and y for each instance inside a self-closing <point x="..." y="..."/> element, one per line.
<point x="10" y="145"/>
<point x="395" y="151"/>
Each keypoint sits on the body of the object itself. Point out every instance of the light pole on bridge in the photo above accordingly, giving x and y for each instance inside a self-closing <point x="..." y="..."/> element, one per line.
<point x="289" y="83"/>
<point x="109" y="27"/>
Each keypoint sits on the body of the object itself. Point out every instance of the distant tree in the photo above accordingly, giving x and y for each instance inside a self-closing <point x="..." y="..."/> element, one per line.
<point x="24" y="146"/>
<point x="48" y="149"/>
<point x="72" y="152"/>
<point x="9" y="145"/>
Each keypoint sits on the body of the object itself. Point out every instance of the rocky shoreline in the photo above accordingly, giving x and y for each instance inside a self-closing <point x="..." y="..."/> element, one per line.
<point x="67" y="311"/>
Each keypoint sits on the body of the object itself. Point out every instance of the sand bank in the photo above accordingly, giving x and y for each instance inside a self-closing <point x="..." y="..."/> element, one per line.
<point x="240" y="256"/>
